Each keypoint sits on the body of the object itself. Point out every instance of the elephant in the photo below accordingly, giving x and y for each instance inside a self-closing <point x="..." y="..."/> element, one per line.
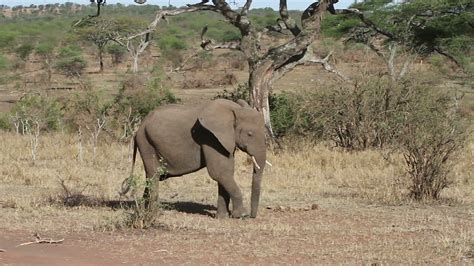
<point x="187" y="138"/>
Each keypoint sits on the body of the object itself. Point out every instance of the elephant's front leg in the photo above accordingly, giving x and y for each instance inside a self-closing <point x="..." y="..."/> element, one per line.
<point x="223" y="200"/>
<point x="221" y="168"/>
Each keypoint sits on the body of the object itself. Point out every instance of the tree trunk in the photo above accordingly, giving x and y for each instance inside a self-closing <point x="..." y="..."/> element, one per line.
<point x="101" y="61"/>
<point x="135" y="63"/>
<point x="260" y="77"/>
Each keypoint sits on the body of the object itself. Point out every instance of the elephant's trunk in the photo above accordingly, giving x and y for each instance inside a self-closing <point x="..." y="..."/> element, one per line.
<point x="259" y="165"/>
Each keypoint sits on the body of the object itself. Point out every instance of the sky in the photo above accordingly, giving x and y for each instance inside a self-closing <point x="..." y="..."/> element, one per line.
<point x="292" y="4"/>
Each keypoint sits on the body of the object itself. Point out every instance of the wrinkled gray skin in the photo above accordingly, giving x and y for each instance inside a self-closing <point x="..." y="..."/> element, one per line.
<point x="190" y="137"/>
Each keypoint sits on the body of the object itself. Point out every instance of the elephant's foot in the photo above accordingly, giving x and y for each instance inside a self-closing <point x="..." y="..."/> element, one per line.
<point x="239" y="214"/>
<point x="222" y="215"/>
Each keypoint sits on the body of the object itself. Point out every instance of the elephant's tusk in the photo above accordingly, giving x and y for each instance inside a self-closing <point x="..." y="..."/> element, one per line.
<point x="269" y="163"/>
<point x="255" y="163"/>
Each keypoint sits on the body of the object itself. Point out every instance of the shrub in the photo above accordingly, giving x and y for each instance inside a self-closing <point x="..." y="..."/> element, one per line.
<point x="5" y="123"/>
<point x="34" y="108"/>
<point x="430" y="137"/>
<point x="85" y="109"/>
<point x="283" y="108"/>
<point x="366" y="115"/>
<point x="70" y="61"/>
<point x="423" y="126"/>
<point x="7" y="38"/>
<point x="3" y="62"/>
<point x="135" y="99"/>
<point x="117" y="52"/>
<point x="44" y="49"/>
<point x="23" y="51"/>
<point x="171" y="42"/>
<point x="284" y="113"/>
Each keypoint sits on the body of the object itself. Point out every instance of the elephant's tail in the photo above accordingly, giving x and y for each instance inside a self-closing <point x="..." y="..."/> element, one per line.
<point x="126" y="184"/>
<point x="135" y="148"/>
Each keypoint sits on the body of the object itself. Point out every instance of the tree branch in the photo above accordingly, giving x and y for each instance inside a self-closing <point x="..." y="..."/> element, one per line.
<point x="208" y="44"/>
<point x="289" y="22"/>
<point x="369" y="23"/>
<point x="295" y="48"/>
<point x="245" y="8"/>
<point x="449" y="56"/>
<point x="307" y="59"/>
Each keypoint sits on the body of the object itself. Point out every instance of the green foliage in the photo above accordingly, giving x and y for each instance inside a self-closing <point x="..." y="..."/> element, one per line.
<point x="284" y="113"/>
<point x="264" y="17"/>
<point x="3" y="62"/>
<point x="7" y="38"/>
<point x="34" y="108"/>
<point x="86" y="110"/>
<point x="117" y="52"/>
<point x="5" y="123"/>
<point x="338" y="26"/>
<point x="283" y="108"/>
<point x="70" y="61"/>
<point x="142" y="102"/>
<point x="135" y="100"/>
<point x="24" y="50"/>
<point x="240" y="92"/>
<point x="171" y="42"/>
<point x="421" y="26"/>
<point x="44" y="49"/>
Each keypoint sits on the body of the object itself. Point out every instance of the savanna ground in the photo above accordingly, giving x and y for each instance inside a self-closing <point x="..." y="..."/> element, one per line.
<point x="319" y="205"/>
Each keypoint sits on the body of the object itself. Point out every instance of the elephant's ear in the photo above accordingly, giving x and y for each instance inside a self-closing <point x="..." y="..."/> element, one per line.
<point x="221" y="125"/>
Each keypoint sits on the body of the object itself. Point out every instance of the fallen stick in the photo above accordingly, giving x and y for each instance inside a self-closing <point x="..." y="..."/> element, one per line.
<point x="40" y="240"/>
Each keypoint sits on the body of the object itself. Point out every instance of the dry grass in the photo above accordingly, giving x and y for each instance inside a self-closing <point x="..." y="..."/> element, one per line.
<point x="362" y="213"/>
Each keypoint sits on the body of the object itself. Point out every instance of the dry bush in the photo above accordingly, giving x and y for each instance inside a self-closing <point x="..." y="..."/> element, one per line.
<point x="431" y="137"/>
<point x="73" y="194"/>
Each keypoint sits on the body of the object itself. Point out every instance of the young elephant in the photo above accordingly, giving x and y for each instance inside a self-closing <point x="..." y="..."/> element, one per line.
<point x="186" y="138"/>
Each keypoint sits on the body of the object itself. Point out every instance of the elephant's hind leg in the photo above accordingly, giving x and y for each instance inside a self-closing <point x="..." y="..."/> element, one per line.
<point x="151" y="164"/>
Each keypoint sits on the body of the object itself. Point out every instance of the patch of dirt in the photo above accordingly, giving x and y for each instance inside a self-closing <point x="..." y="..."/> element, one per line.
<point x="282" y="235"/>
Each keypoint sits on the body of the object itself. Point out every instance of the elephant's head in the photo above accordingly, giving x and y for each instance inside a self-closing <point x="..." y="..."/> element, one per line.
<point x="238" y="125"/>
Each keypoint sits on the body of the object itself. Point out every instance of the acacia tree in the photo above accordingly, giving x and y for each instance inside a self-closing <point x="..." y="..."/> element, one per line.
<point x="99" y="32"/>
<point x="267" y="63"/>
<point x="410" y="29"/>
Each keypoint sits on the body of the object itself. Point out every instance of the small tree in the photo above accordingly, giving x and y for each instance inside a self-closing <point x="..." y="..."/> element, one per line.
<point x="24" y="51"/>
<point x="33" y="114"/>
<point x="99" y="32"/>
<point x="70" y="61"/>
<point x="88" y="111"/>
<point x="399" y="33"/>
<point x="46" y="51"/>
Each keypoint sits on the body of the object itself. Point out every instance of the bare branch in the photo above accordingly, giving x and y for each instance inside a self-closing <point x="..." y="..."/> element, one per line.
<point x="307" y="59"/>
<point x="295" y="48"/>
<point x="246" y="7"/>
<point x="449" y="56"/>
<point x="328" y="67"/>
<point x="211" y="45"/>
<point x="208" y="44"/>
<point x="290" y="23"/>
<point x="369" y="23"/>
<point x="40" y="240"/>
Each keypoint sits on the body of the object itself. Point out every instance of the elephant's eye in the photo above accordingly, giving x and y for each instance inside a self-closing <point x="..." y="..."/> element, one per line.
<point x="250" y="133"/>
